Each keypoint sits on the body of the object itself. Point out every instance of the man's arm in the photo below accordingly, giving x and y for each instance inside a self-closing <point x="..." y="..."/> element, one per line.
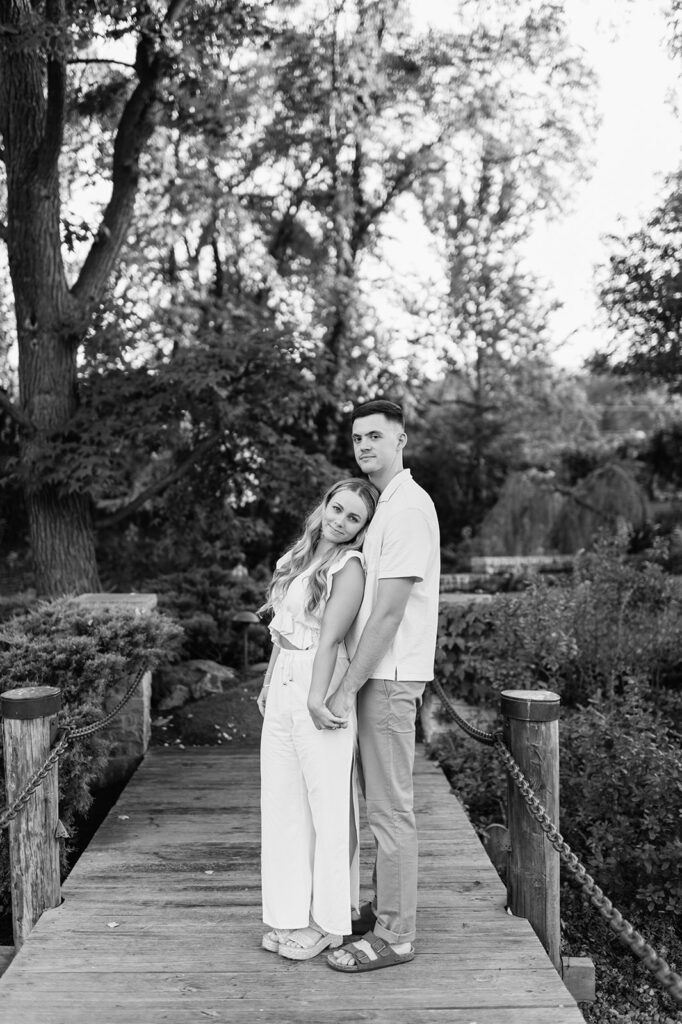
<point x="377" y="636"/>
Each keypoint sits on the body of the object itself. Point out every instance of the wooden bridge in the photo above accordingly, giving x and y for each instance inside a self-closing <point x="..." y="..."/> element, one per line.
<point x="161" y="921"/>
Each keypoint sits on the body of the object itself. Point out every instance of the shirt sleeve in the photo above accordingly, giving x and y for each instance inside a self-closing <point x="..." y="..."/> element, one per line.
<point x="406" y="547"/>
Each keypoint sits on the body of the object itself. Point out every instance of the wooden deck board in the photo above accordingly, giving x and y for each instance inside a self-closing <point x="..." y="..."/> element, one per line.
<point x="161" y="922"/>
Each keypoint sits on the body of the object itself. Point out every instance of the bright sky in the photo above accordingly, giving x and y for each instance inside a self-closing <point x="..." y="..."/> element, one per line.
<point x="638" y="142"/>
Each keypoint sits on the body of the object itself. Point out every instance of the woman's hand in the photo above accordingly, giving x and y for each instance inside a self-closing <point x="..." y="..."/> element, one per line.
<point x="262" y="697"/>
<point x="324" y="719"/>
<point x="341" y="703"/>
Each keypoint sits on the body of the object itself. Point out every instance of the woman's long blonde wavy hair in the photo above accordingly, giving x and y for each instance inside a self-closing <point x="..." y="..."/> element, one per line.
<point x="302" y="554"/>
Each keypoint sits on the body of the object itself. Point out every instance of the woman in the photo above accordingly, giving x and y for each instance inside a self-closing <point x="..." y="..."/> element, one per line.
<point x="307" y="795"/>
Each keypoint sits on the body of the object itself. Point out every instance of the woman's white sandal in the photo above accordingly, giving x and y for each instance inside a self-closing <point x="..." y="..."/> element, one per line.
<point x="272" y="939"/>
<point x="302" y="952"/>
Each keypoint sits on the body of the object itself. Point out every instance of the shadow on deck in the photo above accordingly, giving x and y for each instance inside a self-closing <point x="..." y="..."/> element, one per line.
<point x="161" y="921"/>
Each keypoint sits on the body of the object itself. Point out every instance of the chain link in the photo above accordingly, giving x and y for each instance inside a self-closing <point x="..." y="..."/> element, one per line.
<point x="488" y="738"/>
<point x="64" y="737"/>
<point x="629" y="935"/>
<point x="8" y="814"/>
<point x="102" y="723"/>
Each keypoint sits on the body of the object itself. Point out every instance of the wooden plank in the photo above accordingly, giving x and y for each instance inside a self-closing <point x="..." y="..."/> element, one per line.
<point x="175" y="870"/>
<point x="169" y="1012"/>
<point x="424" y="982"/>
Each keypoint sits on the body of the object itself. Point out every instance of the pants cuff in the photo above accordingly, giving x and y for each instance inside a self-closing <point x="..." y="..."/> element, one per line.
<point x="393" y="938"/>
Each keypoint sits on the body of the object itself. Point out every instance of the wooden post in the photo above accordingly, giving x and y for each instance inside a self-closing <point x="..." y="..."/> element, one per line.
<point x="28" y="718"/>
<point x="531" y="732"/>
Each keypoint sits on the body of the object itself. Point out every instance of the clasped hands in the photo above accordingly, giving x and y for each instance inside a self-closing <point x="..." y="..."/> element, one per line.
<point x="331" y="714"/>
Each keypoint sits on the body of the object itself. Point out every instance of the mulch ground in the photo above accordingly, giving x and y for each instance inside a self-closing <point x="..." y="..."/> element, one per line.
<point x="230" y="717"/>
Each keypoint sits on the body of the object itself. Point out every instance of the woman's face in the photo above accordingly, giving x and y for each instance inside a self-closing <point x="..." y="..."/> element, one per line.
<point x="344" y="516"/>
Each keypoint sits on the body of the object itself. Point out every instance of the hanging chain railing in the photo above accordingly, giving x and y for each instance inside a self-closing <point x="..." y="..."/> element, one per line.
<point x="64" y="737"/>
<point x="629" y="935"/>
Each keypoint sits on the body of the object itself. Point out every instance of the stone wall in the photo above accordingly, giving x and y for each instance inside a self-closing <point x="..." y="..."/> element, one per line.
<point x="131" y="729"/>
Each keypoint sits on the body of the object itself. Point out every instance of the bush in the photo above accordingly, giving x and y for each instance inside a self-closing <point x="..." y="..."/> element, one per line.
<point x="85" y="652"/>
<point x="509" y="642"/>
<point x="621" y="798"/>
<point x="609" y="643"/>
<point x="621" y="805"/>
<point x="204" y="600"/>
<point x="621" y="790"/>
<point x="614" y="622"/>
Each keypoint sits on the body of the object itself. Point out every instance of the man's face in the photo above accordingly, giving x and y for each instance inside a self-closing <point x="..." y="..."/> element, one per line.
<point x="377" y="442"/>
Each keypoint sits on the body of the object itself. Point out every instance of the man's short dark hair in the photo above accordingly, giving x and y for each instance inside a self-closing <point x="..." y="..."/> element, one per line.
<point x="390" y="410"/>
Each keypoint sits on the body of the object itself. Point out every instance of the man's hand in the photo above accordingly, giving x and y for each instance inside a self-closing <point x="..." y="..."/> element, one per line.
<point x="341" y="702"/>
<point x="324" y="719"/>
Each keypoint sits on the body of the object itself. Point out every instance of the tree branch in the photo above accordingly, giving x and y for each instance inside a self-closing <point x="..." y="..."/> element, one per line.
<point x="101" y="60"/>
<point x="134" y="129"/>
<point x="202" y="449"/>
<point x="569" y="493"/>
<point x="56" y="97"/>
<point x="396" y="187"/>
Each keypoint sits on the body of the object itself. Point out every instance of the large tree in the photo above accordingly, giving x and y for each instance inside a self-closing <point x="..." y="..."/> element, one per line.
<point x="43" y="47"/>
<point x="530" y="146"/>
<point x="197" y="347"/>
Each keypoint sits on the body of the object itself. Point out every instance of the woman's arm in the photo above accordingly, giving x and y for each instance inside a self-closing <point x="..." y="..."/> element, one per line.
<point x="262" y="697"/>
<point x="348" y="586"/>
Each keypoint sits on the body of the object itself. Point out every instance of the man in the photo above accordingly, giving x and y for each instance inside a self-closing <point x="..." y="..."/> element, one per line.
<point x="392" y="647"/>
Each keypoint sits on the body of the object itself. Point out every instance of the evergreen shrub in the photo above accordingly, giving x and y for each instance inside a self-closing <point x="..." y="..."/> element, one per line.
<point x="85" y="652"/>
<point x="203" y="601"/>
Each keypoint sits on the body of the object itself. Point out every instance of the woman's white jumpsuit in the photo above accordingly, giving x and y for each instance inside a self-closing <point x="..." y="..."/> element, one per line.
<point x="309" y="857"/>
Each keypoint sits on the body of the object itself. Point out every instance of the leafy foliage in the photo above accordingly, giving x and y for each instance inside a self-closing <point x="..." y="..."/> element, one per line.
<point x="642" y="293"/>
<point x="621" y="801"/>
<point x="628" y="830"/>
<point x="609" y="644"/>
<point x="204" y="602"/>
<point x="614" y="623"/>
<point x="85" y="652"/>
<point x="280" y="147"/>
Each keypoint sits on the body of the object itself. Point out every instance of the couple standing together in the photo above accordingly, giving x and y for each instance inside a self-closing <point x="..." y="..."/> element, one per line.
<point x="355" y="605"/>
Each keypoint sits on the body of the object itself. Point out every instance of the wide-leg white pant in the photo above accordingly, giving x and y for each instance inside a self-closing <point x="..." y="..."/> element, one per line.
<point x="309" y="858"/>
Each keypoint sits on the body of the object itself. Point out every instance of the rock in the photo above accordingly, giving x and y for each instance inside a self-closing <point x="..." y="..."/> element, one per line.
<point x="205" y="677"/>
<point x="200" y="677"/>
<point x="176" y="697"/>
<point x="205" y="686"/>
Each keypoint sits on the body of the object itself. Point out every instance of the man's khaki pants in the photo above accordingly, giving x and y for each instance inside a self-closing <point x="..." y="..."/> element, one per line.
<point x="387" y="711"/>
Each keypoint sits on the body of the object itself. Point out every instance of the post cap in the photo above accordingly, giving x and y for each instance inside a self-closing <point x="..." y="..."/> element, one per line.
<point x="530" y="705"/>
<point x="30" y="702"/>
<point x="247" y="617"/>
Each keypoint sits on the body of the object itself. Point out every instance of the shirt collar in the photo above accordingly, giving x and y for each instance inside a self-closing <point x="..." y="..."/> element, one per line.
<point x="392" y="486"/>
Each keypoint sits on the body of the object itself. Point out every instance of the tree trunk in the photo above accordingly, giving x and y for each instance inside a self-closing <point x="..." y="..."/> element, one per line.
<point x="32" y="96"/>
<point x="52" y="319"/>
<point x="62" y="541"/>
<point x="60" y="523"/>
